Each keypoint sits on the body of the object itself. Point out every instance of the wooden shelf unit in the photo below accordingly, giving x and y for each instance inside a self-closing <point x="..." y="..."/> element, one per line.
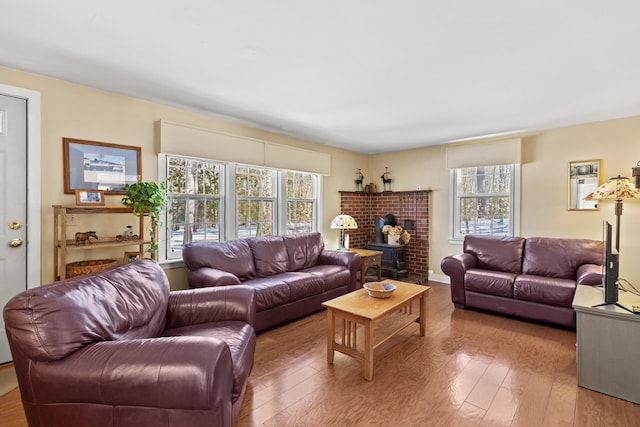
<point x="61" y="244"/>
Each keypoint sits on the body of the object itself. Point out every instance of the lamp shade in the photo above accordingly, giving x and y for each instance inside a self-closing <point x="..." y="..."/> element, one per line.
<point x="343" y="222"/>
<point x="617" y="188"/>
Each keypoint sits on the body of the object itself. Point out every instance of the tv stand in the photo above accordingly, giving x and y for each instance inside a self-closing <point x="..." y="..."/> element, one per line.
<point x="607" y="348"/>
<point x="613" y="303"/>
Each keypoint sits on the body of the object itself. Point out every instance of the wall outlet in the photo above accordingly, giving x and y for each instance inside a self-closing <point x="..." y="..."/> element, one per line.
<point x="72" y="220"/>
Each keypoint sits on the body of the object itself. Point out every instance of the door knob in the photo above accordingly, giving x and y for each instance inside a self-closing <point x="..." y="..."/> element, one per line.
<point x="14" y="243"/>
<point x="15" y="225"/>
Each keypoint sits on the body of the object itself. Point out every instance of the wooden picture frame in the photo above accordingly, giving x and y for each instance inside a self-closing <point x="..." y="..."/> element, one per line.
<point x="583" y="178"/>
<point x="132" y="257"/>
<point x="99" y="165"/>
<point x="89" y="197"/>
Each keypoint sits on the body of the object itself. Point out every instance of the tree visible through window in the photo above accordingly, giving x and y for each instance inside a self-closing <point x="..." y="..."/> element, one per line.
<point x="195" y="209"/>
<point x="300" y="202"/>
<point x="255" y="198"/>
<point x="483" y="200"/>
<point x="217" y="201"/>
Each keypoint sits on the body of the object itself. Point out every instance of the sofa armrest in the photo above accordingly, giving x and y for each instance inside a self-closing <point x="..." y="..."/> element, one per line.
<point x="206" y="305"/>
<point x="207" y="276"/>
<point x="351" y="260"/>
<point x="589" y="274"/>
<point x="455" y="266"/>
<point x="170" y="372"/>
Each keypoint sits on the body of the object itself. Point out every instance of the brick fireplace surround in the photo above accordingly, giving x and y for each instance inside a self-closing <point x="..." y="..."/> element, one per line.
<point x="413" y="205"/>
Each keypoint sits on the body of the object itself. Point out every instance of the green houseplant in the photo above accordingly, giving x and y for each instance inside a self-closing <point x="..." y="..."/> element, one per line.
<point x="147" y="198"/>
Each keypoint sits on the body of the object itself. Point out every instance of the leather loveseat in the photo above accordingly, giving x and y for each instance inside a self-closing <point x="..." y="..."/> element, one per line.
<point x="292" y="274"/>
<point x="533" y="278"/>
<point x="117" y="348"/>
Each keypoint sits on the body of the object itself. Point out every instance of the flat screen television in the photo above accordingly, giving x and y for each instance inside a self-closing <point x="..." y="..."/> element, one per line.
<point x="610" y="266"/>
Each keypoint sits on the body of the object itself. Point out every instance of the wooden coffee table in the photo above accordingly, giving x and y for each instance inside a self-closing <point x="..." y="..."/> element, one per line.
<point x="360" y="311"/>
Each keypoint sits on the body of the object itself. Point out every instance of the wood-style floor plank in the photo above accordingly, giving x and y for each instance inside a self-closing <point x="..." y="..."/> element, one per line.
<point x="471" y="369"/>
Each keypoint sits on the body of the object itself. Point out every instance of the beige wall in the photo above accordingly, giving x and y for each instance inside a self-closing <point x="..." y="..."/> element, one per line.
<point x="70" y="110"/>
<point x="543" y="186"/>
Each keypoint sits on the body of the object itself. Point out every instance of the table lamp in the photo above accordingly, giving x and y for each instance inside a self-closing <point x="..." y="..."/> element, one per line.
<point x="618" y="189"/>
<point x="343" y="222"/>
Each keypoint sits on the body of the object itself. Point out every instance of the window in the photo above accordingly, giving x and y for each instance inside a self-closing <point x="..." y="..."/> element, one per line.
<point x="485" y="200"/>
<point x="301" y="202"/>
<point x="196" y="203"/>
<point x="255" y="196"/>
<point x="217" y="201"/>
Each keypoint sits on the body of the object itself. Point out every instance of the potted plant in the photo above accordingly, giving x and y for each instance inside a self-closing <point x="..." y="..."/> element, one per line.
<point x="147" y="198"/>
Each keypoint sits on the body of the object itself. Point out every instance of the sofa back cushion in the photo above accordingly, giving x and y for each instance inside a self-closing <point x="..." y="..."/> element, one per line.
<point x="304" y="249"/>
<point x="123" y="302"/>
<point x="496" y="253"/>
<point x="269" y="255"/>
<point x="232" y="256"/>
<point x="560" y="258"/>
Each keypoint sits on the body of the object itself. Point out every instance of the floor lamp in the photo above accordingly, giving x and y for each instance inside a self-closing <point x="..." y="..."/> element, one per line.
<point x="343" y="222"/>
<point x="618" y="189"/>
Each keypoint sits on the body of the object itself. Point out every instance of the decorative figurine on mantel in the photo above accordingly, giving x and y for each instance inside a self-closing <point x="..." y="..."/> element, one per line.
<point x="386" y="180"/>
<point x="358" y="181"/>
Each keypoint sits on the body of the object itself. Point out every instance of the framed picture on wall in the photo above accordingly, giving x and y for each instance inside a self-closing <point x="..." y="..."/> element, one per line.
<point x="99" y="166"/>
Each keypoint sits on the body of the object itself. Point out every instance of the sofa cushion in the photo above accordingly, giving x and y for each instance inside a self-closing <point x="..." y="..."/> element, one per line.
<point x="302" y="285"/>
<point x="333" y="276"/>
<point x="496" y="253"/>
<point x="239" y="337"/>
<point x="490" y="282"/>
<point x="270" y="292"/>
<point x="233" y="256"/>
<point x="303" y="249"/>
<point x="560" y="258"/>
<point x="269" y="255"/>
<point x="545" y="290"/>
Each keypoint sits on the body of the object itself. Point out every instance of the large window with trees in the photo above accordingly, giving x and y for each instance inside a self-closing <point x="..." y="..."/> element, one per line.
<point x="196" y="203"/>
<point x="255" y="198"/>
<point x="301" y="201"/>
<point x="217" y="201"/>
<point x="485" y="200"/>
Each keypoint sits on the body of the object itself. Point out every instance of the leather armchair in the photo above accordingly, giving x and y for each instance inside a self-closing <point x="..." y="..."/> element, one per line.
<point x="118" y="348"/>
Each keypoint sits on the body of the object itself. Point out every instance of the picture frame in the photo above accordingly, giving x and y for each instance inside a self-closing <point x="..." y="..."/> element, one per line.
<point x="99" y="165"/>
<point x="131" y="257"/>
<point x="583" y="178"/>
<point x="89" y="197"/>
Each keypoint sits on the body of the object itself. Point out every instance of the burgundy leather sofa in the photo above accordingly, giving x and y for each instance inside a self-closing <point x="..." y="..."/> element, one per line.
<point x="292" y="274"/>
<point x="533" y="278"/>
<point x="117" y="348"/>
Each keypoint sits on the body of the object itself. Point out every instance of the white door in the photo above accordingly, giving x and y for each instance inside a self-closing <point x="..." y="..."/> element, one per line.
<point x="13" y="205"/>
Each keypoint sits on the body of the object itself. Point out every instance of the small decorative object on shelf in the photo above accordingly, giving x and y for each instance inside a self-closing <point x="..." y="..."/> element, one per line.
<point x="85" y="196"/>
<point x="386" y="180"/>
<point x="358" y="181"/>
<point x="127" y="234"/>
<point x="85" y="236"/>
<point x="131" y="257"/>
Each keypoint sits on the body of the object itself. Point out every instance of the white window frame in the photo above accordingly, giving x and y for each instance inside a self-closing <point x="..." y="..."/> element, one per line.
<point x="514" y="204"/>
<point x="229" y="199"/>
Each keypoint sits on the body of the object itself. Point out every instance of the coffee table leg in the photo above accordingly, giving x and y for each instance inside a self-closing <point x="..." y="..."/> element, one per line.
<point x="423" y="314"/>
<point x="368" y="350"/>
<point x="331" y="333"/>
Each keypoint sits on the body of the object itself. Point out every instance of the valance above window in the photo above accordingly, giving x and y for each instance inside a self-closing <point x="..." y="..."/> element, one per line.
<point x="185" y="140"/>
<point x="505" y="152"/>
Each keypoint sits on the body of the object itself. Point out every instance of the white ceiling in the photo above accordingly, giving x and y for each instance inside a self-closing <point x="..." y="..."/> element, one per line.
<point x="366" y="75"/>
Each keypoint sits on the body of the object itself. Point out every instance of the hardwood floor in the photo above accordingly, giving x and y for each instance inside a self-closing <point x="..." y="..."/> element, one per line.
<point x="471" y="369"/>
